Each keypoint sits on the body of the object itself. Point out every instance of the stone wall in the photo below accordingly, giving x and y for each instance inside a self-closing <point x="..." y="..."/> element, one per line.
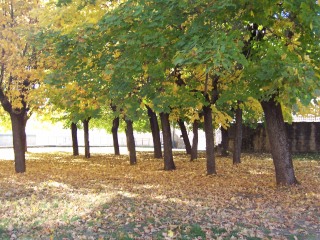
<point x="304" y="137"/>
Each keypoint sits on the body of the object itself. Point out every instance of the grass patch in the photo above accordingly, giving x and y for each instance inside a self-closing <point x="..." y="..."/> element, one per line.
<point x="302" y="237"/>
<point x="75" y="218"/>
<point x="123" y="236"/>
<point x="218" y="231"/>
<point x="193" y="231"/>
<point x="3" y="233"/>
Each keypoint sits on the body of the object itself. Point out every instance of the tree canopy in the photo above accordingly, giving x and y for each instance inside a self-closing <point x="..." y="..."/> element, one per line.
<point x="192" y="60"/>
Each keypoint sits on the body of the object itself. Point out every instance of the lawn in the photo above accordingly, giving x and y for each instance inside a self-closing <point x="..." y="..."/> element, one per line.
<point x="66" y="197"/>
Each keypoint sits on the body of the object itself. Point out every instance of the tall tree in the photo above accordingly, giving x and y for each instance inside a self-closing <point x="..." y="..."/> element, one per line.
<point x="205" y="54"/>
<point x="283" y="52"/>
<point x="20" y="69"/>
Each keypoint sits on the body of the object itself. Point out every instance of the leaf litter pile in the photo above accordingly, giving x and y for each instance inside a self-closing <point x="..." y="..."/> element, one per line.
<point x="66" y="197"/>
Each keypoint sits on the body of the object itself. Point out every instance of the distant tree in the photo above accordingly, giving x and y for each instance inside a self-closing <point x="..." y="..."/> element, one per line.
<point x="155" y="131"/>
<point x="185" y="137"/>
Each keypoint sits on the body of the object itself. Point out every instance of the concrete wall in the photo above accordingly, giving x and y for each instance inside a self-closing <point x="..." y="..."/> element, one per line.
<point x="304" y="137"/>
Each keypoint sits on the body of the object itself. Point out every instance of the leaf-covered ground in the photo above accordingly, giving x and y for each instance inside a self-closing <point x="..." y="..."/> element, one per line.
<point x="65" y="197"/>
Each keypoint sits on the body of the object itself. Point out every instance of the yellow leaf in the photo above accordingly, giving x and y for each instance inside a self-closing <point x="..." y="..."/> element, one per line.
<point x="175" y="88"/>
<point x="170" y="233"/>
<point x="283" y="56"/>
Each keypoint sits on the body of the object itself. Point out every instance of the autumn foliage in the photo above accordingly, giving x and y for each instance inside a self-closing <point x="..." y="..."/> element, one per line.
<point x="65" y="197"/>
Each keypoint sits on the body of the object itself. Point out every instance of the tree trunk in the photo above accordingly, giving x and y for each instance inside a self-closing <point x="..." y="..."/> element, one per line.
<point x="238" y="137"/>
<point x="86" y="138"/>
<point x="185" y="136"/>
<point x="155" y="133"/>
<point x="114" y="130"/>
<point x="194" y="149"/>
<point x="167" y="142"/>
<point x="279" y="144"/>
<point x="209" y="133"/>
<point x="74" y="134"/>
<point x="115" y="127"/>
<point x="19" y="137"/>
<point x="18" y="124"/>
<point x="131" y="143"/>
<point x="224" y="142"/>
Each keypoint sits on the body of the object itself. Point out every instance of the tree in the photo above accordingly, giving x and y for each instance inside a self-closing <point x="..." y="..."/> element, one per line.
<point x="20" y="69"/>
<point x="209" y="52"/>
<point x="75" y="104"/>
<point x="283" y="48"/>
<point x="191" y="55"/>
<point x="147" y="74"/>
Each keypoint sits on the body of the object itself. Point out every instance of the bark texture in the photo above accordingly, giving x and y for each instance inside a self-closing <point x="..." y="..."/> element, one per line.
<point x="155" y="133"/>
<point x="19" y="140"/>
<point x="18" y="125"/>
<point x="185" y="136"/>
<point x="224" y="142"/>
<point x="208" y="125"/>
<point x="167" y="142"/>
<point x="209" y="133"/>
<point x="131" y="143"/>
<point x="238" y="137"/>
<point x="86" y="138"/>
<point x="74" y="134"/>
<point x="279" y="144"/>
<point x="194" y="148"/>
<point x="114" y="130"/>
